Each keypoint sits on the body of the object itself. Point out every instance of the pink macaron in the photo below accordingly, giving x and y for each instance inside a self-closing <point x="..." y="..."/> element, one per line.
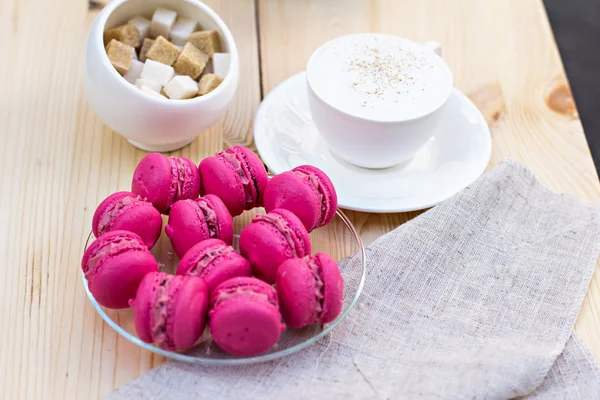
<point x="170" y="311"/>
<point x="307" y="192"/>
<point x="310" y="290"/>
<point x="114" y="265"/>
<point x="237" y="176"/>
<point x="244" y="316"/>
<point x="164" y="180"/>
<point x="129" y="212"/>
<point x="194" y="220"/>
<point x="272" y="238"/>
<point x="215" y="262"/>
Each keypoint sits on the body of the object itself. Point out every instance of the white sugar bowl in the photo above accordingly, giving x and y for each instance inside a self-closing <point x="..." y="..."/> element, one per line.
<point x="149" y="122"/>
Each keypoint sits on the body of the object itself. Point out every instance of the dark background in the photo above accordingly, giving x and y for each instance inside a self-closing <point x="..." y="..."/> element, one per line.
<point x="576" y="26"/>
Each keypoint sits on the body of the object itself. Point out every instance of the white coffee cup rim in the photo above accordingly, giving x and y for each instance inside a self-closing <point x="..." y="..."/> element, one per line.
<point x="363" y="118"/>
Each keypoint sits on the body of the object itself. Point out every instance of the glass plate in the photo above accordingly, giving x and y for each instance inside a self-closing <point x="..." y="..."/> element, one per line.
<point x="339" y="239"/>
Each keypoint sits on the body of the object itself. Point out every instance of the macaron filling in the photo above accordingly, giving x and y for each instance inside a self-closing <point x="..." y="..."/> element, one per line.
<point x="279" y="222"/>
<point x="179" y="171"/>
<point x="207" y="257"/>
<point x="315" y="269"/>
<point x="158" y="321"/>
<point x="210" y="217"/>
<point x="241" y="167"/>
<point x="111" y="211"/>
<point x="314" y="181"/>
<point x="243" y="290"/>
<point x="113" y="246"/>
<point x="248" y="165"/>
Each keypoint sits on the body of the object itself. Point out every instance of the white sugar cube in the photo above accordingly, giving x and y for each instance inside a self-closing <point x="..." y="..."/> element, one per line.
<point x="220" y="64"/>
<point x="134" y="54"/>
<point x="182" y="30"/>
<point x="142" y="24"/>
<point x="181" y="87"/>
<point x="162" y="22"/>
<point x="157" y="72"/>
<point x="151" y="92"/>
<point x="149" y="84"/>
<point x="135" y="71"/>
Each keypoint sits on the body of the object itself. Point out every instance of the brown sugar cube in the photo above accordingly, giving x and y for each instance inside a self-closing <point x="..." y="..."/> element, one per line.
<point x="144" y="50"/>
<point x="120" y="55"/>
<point x="191" y="61"/>
<point x="163" y="51"/>
<point x="208" y="83"/>
<point x="207" y="41"/>
<point x="127" y="34"/>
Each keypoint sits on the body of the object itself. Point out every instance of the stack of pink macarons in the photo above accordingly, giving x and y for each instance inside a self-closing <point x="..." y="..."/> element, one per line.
<point x="232" y="292"/>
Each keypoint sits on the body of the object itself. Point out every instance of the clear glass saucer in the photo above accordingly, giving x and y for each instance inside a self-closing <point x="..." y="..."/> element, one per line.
<point x="339" y="239"/>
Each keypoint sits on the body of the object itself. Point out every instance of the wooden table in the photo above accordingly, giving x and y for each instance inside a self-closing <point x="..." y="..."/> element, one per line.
<point x="58" y="160"/>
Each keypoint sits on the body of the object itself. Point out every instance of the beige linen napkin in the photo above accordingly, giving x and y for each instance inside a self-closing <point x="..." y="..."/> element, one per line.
<point x="475" y="298"/>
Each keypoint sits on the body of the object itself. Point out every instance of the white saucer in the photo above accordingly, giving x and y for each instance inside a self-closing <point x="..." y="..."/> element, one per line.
<point x="286" y="137"/>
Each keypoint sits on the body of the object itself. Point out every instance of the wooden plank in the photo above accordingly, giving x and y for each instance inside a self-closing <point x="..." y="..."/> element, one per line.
<point x="57" y="162"/>
<point x="501" y="52"/>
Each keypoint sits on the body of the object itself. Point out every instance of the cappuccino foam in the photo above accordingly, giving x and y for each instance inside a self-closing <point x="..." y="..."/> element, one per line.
<point x="379" y="77"/>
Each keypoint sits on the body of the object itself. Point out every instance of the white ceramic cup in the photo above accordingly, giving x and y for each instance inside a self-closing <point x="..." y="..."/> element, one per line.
<point x="152" y="123"/>
<point x="368" y="142"/>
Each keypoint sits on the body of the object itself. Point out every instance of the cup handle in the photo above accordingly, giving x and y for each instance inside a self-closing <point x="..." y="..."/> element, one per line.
<point x="434" y="47"/>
